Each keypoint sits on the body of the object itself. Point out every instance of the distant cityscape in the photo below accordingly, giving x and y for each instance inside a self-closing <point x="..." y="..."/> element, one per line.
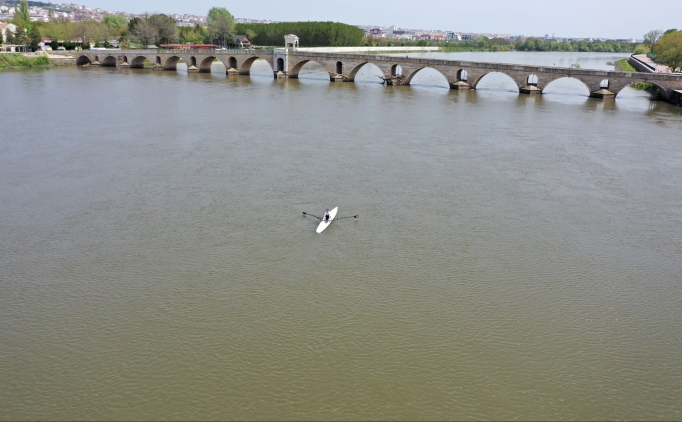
<point x="77" y="13"/>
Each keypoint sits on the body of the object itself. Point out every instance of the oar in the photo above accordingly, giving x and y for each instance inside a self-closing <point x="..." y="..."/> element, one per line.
<point x="352" y="216"/>
<point x="305" y="213"/>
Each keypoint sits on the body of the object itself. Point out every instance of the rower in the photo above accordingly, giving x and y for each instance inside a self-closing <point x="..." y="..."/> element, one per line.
<point x="326" y="215"/>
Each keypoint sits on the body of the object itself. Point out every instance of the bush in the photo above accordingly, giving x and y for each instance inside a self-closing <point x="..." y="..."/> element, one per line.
<point x="646" y="86"/>
<point x="642" y="49"/>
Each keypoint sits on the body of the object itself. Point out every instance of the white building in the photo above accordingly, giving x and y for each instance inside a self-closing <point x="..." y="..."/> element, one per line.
<point x="3" y="30"/>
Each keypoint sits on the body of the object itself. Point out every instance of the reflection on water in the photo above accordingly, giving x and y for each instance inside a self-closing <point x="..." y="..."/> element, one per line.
<point x="516" y="256"/>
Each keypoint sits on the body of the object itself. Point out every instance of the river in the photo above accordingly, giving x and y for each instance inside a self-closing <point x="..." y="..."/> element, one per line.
<point x="515" y="257"/>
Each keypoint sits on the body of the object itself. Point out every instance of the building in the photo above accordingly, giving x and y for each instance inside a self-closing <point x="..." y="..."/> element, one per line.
<point x="241" y="41"/>
<point x="453" y="36"/>
<point x="291" y="41"/>
<point x="3" y="30"/>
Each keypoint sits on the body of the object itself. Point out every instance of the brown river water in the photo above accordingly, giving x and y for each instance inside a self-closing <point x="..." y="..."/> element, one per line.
<point x="515" y="257"/>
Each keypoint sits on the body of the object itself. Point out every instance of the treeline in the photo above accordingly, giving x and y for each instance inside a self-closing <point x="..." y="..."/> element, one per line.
<point x="539" y="44"/>
<point x="30" y="3"/>
<point x="481" y="43"/>
<point x="310" y="34"/>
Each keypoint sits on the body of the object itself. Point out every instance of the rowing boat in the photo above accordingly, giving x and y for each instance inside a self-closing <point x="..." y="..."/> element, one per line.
<point x="324" y="224"/>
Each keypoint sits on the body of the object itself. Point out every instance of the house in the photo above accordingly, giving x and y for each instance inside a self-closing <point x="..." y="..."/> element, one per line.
<point x="3" y="30"/>
<point x="241" y="41"/>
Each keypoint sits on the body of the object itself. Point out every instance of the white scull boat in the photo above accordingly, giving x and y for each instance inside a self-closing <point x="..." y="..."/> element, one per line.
<point x="324" y="224"/>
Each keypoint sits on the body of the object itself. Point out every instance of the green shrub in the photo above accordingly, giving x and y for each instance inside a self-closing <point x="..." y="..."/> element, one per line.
<point x="642" y="49"/>
<point x="646" y="86"/>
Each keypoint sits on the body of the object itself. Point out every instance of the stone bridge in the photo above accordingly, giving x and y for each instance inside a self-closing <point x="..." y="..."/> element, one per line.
<point x="399" y="69"/>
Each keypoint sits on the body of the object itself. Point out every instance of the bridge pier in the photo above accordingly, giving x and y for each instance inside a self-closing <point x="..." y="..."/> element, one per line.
<point x="603" y="93"/>
<point x="460" y="85"/>
<point x="530" y="89"/>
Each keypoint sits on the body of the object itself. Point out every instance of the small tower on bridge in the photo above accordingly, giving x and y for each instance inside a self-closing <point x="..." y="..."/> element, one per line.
<point x="290" y="41"/>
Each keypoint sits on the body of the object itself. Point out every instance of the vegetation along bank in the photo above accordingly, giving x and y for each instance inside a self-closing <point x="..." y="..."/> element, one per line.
<point x="17" y="60"/>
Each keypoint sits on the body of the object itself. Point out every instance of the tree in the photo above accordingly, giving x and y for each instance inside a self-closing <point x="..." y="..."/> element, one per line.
<point x="642" y="49"/>
<point x="251" y="34"/>
<point x="669" y="50"/>
<point x="191" y="35"/>
<point x="652" y="37"/>
<point x="220" y="25"/>
<point x="9" y="36"/>
<point x="117" y="24"/>
<point x="34" y="38"/>
<point x="20" y="36"/>
<point x="91" y="31"/>
<point x="145" y="32"/>
<point x="166" y="29"/>
<point x="132" y="25"/>
<point x="22" y="17"/>
<point x="670" y="31"/>
<point x="311" y="34"/>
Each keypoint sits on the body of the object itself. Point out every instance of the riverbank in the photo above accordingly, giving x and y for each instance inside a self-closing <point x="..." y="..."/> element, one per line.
<point x="625" y="66"/>
<point x="18" y="60"/>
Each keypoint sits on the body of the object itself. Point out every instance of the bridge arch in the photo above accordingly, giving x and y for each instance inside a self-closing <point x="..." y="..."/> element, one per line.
<point x="478" y="79"/>
<point x="577" y="82"/>
<point x="205" y="65"/>
<point x="296" y="68"/>
<point x="353" y="73"/>
<point x="171" y="63"/>
<point x="462" y="75"/>
<point x="125" y="59"/>
<point x="411" y="76"/>
<point x="532" y="79"/>
<point x="660" y="91"/>
<point x="339" y="67"/>
<point x="232" y="63"/>
<point x="83" y="60"/>
<point x="138" y="62"/>
<point x="245" y="68"/>
<point x="396" y="70"/>
<point x="109" y="61"/>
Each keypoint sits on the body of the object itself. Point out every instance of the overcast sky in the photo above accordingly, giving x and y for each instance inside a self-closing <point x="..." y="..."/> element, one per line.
<point x="574" y="18"/>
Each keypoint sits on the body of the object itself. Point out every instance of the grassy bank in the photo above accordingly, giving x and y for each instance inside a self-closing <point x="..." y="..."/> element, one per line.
<point x="12" y="60"/>
<point x="624" y="66"/>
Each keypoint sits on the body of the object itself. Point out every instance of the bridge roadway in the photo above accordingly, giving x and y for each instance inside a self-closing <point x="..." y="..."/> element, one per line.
<point x="399" y="69"/>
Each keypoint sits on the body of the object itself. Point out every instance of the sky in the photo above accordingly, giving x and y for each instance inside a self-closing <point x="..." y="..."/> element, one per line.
<point x="573" y="18"/>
